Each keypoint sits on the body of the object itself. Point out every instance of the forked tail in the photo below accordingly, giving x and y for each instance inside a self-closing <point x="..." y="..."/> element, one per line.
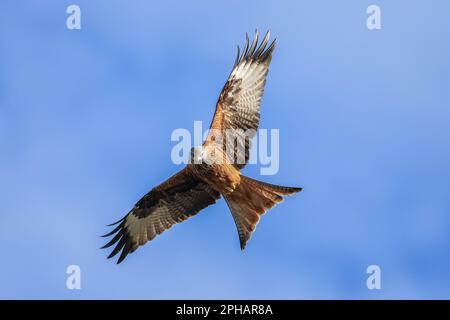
<point x="251" y="199"/>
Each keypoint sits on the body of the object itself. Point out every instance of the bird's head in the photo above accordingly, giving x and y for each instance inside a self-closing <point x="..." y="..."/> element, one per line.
<point x="197" y="155"/>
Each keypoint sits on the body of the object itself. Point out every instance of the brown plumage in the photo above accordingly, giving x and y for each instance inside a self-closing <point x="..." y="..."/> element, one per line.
<point x="214" y="168"/>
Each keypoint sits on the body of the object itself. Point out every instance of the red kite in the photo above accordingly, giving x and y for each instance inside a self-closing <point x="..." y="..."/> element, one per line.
<point x="202" y="182"/>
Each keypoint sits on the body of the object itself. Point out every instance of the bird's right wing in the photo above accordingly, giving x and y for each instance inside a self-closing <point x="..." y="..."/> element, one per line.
<point x="178" y="198"/>
<point x="237" y="110"/>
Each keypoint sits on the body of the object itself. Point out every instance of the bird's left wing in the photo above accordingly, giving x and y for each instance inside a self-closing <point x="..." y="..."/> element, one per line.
<point x="178" y="198"/>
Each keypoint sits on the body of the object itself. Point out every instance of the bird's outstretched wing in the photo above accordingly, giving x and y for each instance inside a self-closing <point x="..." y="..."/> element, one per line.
<point x="239" y="102"/>
<point x="178" y="198"/>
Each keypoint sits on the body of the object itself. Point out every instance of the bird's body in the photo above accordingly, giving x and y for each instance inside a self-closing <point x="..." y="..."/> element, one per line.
<point x="214" y="168"/>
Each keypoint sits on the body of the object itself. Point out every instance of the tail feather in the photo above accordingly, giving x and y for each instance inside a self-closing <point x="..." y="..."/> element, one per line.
<point x="252" y="199"/>
<point x="279" y="190"/>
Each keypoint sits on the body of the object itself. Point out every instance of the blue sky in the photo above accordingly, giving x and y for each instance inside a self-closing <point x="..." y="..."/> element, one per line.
<point x="85" y="124"/>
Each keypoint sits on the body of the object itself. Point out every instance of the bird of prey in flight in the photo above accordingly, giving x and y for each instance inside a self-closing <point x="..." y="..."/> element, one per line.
<point x="203" y="181"/>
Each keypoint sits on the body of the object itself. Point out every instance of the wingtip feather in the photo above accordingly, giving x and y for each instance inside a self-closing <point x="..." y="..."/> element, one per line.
<point x="255" y="52"/>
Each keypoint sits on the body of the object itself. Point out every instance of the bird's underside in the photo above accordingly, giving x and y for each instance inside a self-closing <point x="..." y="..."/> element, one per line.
<point x="212" y="172"/>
